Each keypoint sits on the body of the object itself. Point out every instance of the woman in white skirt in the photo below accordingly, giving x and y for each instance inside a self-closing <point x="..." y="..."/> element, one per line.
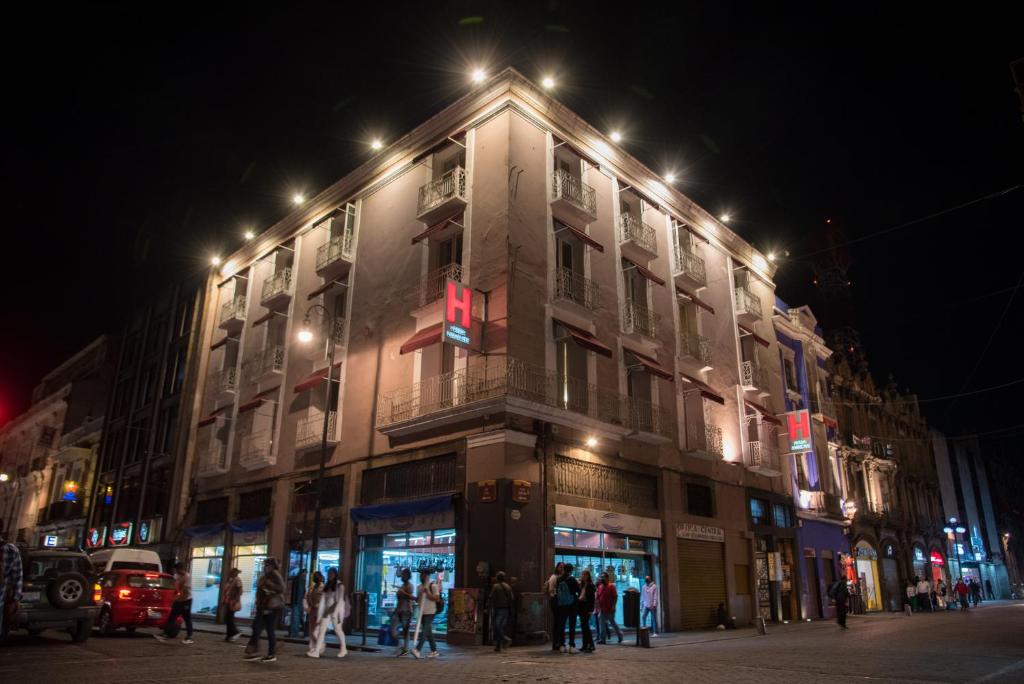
<point x="333" y="611"/>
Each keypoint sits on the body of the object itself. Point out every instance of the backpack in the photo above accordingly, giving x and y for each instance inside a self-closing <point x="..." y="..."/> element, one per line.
<point x="563" y="594"/>
<point x="834" y="589"/>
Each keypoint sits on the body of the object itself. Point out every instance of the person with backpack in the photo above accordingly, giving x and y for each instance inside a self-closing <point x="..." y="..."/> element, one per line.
<point x="587" y="602"/>
<point x="430" y="603"/>
<point x="566" y="592"/>
<point x="500" y="601"/>
<point x="550" y="586"/>
<point x="840" y="594"/>
<point x="606" y="603"/>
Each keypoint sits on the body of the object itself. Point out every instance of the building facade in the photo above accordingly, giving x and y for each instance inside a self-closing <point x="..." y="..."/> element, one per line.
<point x="48" y="453"/>
<point x="608" y="399"/>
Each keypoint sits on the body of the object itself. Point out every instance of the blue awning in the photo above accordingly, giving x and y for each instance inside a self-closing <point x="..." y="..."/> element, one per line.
<point x="433" y="504"/>
<point x="251" y="525"/>
<point x="204" y="530"/>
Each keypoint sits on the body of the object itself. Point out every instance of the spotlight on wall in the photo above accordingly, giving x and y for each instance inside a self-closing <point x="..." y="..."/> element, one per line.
<point x="298" y="198"/>
<point x="249" y="235"/>
<point x="376" y="144"/>
<point x="215" y="261"/>
<point x="591" y="442"/>
<point x="478" y="75"/>
<point x="616" y="136"/>
<point x="548" y="82"/>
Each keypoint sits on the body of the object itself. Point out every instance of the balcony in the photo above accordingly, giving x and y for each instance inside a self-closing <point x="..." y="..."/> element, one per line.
<point x="695" y="351"/>
<point x="64" y="510"/>
<point x="310" y="430"/>
<point x="255" y="452"/>
<point x="639" y="320"/>
<point x="704" y="441"/>
<point x="334" y="257"/>
<point x="441" y="197"/>
<point x="748" y="306"/>
<point x="337" y="331"/>
<point x="823" y="504"/>
<point x="823" y="410"/>
<point x="763" y="458"/>
<point x="572" y="200"/>
<point x="225" y="384"/>
<point x="689" y="269"/>
<point x="232" y="314"/>
<point x="277" y="288"/>
<point x="637" y="240"/>
<point x="754" y="378"/>
<point x="573" y="287"/>
<point x="648" y="422"/>
<point x="506" y="385"/>
<point x="266" y="363"/>
<point x="213" y="460"/>
<point x="431" y="286"/>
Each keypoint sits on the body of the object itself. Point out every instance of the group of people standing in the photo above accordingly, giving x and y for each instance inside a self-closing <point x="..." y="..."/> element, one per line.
<point x="922" y="596"/>
<point x="427" y="598"/>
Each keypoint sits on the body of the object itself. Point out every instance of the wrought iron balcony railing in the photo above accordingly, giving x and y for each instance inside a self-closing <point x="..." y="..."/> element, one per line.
<point x="233" y="310"/>
<point x="431" y="286"/>
<point x="571" y="189"/>
<point x="213" y="459"/>
<point x="640" y="319"/>
<point x="573" y="287"/>
<point x="747" y="303"/>
<point x="269" y="360"/>
<point x="277" y="284"/>
<point x="338" y="247"/>
<point x="695" y="346"/>
<point x="762" y="455"/>
<point x="753" y="376"/>
<point x="255" y="451"/>
<point x="438" y="191"/>
<point x="632" y="229"/>
<point x="647" y="417"/>
<point x="690" y="265"/>
<point x="309" y="431"/>
<point x="227" y="381"/>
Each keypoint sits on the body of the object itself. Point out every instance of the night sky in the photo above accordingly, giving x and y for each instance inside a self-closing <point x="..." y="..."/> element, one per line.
<point x="139" y="144"/>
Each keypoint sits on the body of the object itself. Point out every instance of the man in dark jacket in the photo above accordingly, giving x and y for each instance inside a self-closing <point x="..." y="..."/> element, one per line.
<point x="500" y="600"/>
<point x="269" y="604"/>
<point x="840" y="593"/>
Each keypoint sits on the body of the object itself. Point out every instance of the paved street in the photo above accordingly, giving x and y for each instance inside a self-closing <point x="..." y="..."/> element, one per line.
<point x="985" y="645"/>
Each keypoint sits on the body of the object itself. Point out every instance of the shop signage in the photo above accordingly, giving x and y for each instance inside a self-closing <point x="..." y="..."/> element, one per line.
<point x="70" y="491"/>
<point x="487" y="490"/>
<point x="50" y="540"/>
<point x="148" y="531"/>
<point x="458" y="306"/>
<point x="700" y="532"/>
<point x="423" y="521"/>
<point x="918" y="554"/>
<point x="95" y="537"/>
<point x="867" y="553"/>
<point x="607" y="521"/>
<point x="799" y="423"/>
<point x="120" y="534"/>
<point x="936" y="558"/>
<point x="521" y="491"/>
<point x="889" y="551"/>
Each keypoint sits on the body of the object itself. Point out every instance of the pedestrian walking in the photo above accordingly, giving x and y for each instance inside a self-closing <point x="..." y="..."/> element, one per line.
<point x="10" y="583"/>
<point x="429" y="602"/>
<point x="269" y="605"/>
<point x="311" y="606"/>
<point x="550" y="586"/>
<point x="940" y="594"/>
<point x="586" y="604"/>
<point x="402" y="616"/>
<point x="975" y="592"/>
<point x="606" y="605"/>
<point x="840" y="593"/>
<point x="332" y="614"/>
<point x="649" y="604"/>
<point x="500" y="601"/>
<point x="924" y="594"/>
<point x="180" y="607"/>
<point x="961" y="591"/>
<point x="566" y="592"/>
<point x="912" y="594"/>
<point x="231" y="599"/>
<point x="297" y="594"/>
<point x="991" y="595"/>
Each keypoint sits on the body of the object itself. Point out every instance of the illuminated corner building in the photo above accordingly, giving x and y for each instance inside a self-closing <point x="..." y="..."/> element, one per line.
<point x="816" y="476"/>
<point x="49" y="452"/>
<point x="978" y="553"/>
<point x="614" y="403"/>
<point x="890" y="487"/>
<point x="140" y="486"/>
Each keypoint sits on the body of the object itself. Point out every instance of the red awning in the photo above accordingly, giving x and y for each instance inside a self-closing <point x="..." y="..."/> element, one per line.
<point x="585" y="339"/>
<point x="263" y="319"/>
<point x="705" y="389"/>
<point x="646" y="273"/>
<point x="250" y="405"/>
<point x="219" y="343"/>
<point x="765" y="413"/>
<point x="582" y="236"/>
<point x="323" y="288"/>
<point x="757" y="338"/>
<point x="423" y="338"/>
<point x="693" y="298"/>
<point x="313" y="379"/>
<point x="651" y="365"/>
<point x="212" y="417"/>
<point x="436" y="228"/>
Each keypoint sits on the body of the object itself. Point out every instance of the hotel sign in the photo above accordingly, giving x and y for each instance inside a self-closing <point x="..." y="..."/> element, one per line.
<point x="458" y="307"/>
<point x="700" y="532"/>
<point x="799" y="424"/>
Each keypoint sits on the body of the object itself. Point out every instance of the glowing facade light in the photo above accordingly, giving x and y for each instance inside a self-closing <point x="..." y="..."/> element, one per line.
<point x="616" y="136"/>
<point x="771" y="256"/>
<point x="479" y="75"/>
<point x="215" y="261"/>
<point x="548" y="82"/>
<point x="591" y="442"/>
<point x="670" y="178"/>
<point x="4" y="477"/>
<point x="724" y="218"/>
<point x="305" y="335"/>
<point x="376" y="144"/>
<point x="249" y="235"/>
<point x="298" y="198"/>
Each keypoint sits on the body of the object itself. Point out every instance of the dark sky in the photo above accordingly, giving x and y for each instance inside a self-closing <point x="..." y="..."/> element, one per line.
<point x="138" y="143"/>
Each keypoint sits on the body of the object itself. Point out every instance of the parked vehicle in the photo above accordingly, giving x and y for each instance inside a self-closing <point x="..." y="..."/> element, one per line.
<point x="134" y="598"/>
<point x="58" y="592"/>
<point x="125" y="559"/>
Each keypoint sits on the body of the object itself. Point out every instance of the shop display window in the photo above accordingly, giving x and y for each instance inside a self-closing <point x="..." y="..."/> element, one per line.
<point x="206" y="569"/>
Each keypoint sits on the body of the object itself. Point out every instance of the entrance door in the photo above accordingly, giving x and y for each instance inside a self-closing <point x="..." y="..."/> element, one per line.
<point x="701" y="582"/>
<point x="891" y="585"/>
<point x="814" y="592"/>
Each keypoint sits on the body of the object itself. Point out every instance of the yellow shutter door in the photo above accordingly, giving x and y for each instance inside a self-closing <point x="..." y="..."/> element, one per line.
<point x="701" y="582"/>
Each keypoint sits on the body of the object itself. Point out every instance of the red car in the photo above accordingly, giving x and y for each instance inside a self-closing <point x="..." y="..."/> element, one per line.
<point x="134" y="598"/>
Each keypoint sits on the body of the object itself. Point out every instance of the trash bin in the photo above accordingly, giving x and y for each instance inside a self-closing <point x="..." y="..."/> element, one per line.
<point x="643" y="637"/>
<point x="631" y="608"/>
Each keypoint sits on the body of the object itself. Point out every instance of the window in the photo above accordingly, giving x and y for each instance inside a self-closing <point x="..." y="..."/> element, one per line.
<point x="47" y="435"/>
<point x="150" y="582"/>
<point x="409" y="480"/>
<point x="699" y="500"/>
<point x="212" y="511"/>
<point x="571" y="368"/>
<point x="791" y="383"/>
<point x="254" y="504"/>
<point x="759" y="512"/>
<point x="304" y="494"/>
<point x="593" y="481"/>
<point x="782" y="515"/>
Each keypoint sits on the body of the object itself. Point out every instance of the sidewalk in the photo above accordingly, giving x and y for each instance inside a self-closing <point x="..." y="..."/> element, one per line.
<point x="354" y="641"/>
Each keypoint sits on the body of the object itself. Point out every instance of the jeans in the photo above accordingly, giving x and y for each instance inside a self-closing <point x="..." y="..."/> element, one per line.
<point x="588" y="636"/>
<point x="264" y="619"/>
<point x="963" y="603"/>
<point x="599" y="627"/>
<point x="924" y="602"/>
<point x="567" y="616"/>
<point x="296" y="623"/>
<point x="556" y="620"/>
<point x="183" y="609"/>
<point x="400" y="620"/>
<point x="500" y="625"/>
<point x="426" y="632"/>
<point x="841" y="614"/>
<point x="609" y="625"/>
<point x="653" y="612"/>
<point x="229" y="618"/>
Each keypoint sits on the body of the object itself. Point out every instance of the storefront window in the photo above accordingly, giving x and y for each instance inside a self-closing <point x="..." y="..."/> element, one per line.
<point x="563" y="536"/>
<point x="328" y="556"/>
<point x="382" y="558"/>
<point x="206" y="568"/>
<point x="248" y="555"/>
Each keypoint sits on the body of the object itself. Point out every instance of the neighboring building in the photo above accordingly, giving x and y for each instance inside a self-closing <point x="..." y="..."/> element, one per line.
<point x="817" y="479"/>
<point x="978" y="553"/>
<point x="890" y="486"/>
<point x="615" y="406"/>
<point x="48" y="452"/>
<point x="140" y="487"/>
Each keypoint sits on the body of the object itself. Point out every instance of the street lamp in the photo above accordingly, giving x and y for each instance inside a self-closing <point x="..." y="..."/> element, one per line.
<point x="305" y="336"/>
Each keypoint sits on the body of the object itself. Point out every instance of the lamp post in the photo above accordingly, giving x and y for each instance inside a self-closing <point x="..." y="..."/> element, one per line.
<point x="306" y="336"/>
